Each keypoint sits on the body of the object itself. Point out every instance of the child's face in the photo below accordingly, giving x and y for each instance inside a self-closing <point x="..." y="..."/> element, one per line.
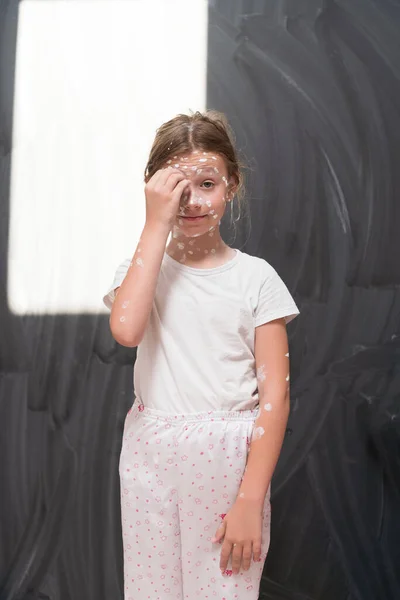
<point x="203" y="202"/>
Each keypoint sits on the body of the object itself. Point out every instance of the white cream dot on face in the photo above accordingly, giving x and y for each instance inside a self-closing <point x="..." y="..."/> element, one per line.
<point x="181" y="246"/>
<point x="191" y="242"/>
<point x="177" y="166"/>
<point x="190" y="251"/>
<point x="258" y="432"/>
<point x="268" y="407"/>
<point x="208" y="202"/>
<point x="224" y="179"/>
<point x="183" y="259"/>
<point x="180" y="221"/>
<point x="123" y="319"/>
<point x="261" y="375"/>
<point x="215" y="216"/>
<point x="241" y="495"/>
<point x="213" y="251"/>
<point x="169" y="162"/>
<point x="202" y="160"/>
<point x="125" y="304"/>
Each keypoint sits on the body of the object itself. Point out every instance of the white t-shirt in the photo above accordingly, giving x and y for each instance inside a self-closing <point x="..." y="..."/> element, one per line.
<point x="197" y="353"/>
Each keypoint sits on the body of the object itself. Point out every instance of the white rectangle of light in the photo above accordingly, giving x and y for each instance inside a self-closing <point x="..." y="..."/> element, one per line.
<point x="94" y="79"/>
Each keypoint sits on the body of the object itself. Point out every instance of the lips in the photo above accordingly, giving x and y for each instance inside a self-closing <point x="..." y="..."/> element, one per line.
<point x="198" y="218"/>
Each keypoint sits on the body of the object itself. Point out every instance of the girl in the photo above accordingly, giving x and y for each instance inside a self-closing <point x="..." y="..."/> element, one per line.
<point x="211" y="379"/>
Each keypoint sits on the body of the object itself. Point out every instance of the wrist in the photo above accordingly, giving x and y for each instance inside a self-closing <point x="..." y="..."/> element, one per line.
<point x="250" y="501"/>
<point x="157" y="228"/>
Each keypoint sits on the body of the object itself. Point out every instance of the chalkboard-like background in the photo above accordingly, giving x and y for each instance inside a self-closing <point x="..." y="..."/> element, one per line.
<point x="312" y="89"/>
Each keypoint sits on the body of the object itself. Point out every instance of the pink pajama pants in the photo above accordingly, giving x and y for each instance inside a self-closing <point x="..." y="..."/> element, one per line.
<point x="179" y="476"/>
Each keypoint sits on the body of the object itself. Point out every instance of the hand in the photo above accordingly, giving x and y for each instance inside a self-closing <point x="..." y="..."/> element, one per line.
<point x="241" y="535"/>
<point x="163" y="193"/>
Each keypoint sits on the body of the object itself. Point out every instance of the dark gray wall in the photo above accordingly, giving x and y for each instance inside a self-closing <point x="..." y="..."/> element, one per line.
<point x="312" y="89"/>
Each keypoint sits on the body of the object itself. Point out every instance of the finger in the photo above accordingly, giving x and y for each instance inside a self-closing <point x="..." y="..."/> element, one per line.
<point x="178" y="191"/>
<point x="237" y="555"/>
<point x="155" y="178"/>
<point x="173" y="179"/>
<point x="220" y="533"/>
<point x="168" y="172"/>
<point x="257" y="550"/>
<point x="246" y="558"/>
<point x="225" y="554"/>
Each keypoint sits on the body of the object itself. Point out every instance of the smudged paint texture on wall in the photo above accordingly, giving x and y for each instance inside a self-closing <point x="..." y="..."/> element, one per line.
<point x="312" y="89"/>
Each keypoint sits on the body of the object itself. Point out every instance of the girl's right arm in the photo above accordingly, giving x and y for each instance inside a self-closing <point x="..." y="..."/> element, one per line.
<point x="134" y="298"/>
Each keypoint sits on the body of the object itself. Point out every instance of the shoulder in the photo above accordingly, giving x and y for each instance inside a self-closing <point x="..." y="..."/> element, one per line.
<point x="257" y="266"/>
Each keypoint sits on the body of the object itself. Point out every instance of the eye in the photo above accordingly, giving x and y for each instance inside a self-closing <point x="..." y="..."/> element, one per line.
<point x="208" y="185"/>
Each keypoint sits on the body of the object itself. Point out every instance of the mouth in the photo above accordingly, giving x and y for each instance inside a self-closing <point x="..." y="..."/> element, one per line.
<point x="193" y="219"/>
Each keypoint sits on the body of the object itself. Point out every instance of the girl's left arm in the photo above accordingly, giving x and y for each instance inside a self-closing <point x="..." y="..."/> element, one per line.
<point x="241" y="528"/>
<point x="272" y="364"/>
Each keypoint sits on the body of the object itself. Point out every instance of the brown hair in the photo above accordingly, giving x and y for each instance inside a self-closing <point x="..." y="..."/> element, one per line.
<point x="208" y="131"/>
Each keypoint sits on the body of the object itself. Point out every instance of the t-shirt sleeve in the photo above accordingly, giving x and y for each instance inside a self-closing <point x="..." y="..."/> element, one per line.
<point x="119" y="276"/>
<point x="275" y="300"/>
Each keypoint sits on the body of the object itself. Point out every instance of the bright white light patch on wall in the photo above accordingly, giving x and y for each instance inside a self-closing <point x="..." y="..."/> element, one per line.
<point x="94" y="79"/>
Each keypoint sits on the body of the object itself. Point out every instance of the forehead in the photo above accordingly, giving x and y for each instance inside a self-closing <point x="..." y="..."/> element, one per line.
<point x="199" y="162"/>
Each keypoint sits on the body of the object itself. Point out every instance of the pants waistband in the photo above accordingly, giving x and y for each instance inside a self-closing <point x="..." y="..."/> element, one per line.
<point x="213" y="415"/>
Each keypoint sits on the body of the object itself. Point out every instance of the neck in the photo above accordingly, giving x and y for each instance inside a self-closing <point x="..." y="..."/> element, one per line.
<point x="204" y="249"/>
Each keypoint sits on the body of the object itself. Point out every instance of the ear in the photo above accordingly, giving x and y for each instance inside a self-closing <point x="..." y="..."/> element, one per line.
<point x="233" y="185"/>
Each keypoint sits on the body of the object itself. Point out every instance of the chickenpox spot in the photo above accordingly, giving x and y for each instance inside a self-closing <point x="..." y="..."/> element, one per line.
<point x="123" y="319"/>
<point x="125" y="304"/>
<point x="261" y="375"/>
<point x="241" y="495"/>
<point x="139" y="262"/>
<point x="258" y="432"/>
<point x="268" y="407"/>
<point x="287" y="355"/>
<point x="288" y="377"/>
